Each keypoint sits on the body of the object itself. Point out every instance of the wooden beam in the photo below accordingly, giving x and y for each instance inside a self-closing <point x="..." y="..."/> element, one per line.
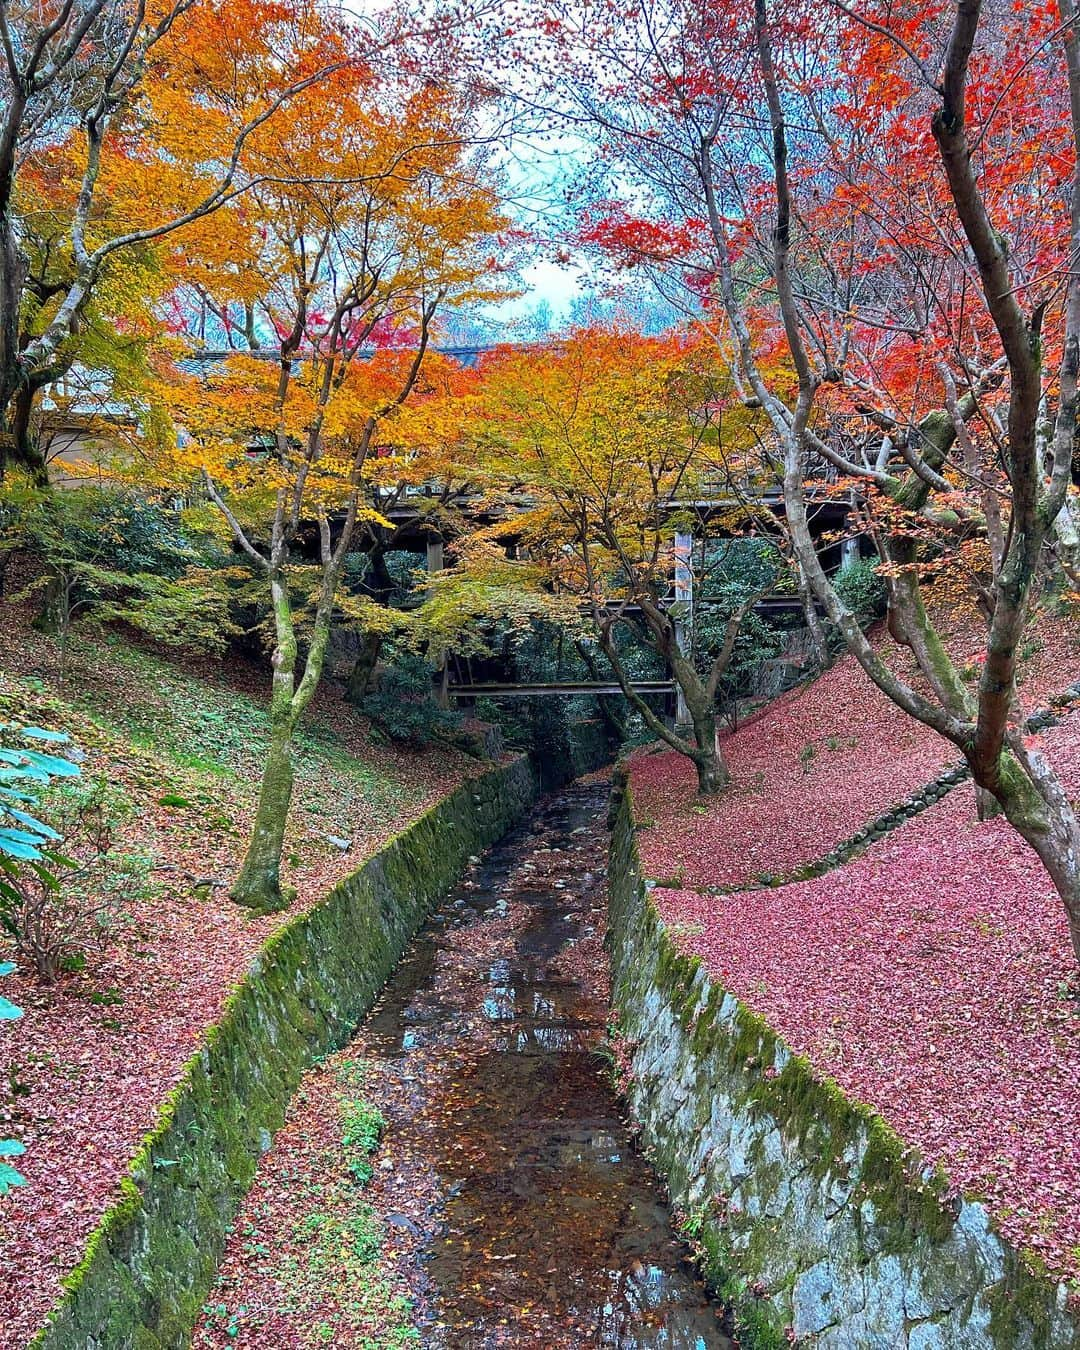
<point x="577" y="687"/>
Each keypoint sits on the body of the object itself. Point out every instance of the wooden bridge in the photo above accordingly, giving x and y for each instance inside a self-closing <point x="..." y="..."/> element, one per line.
<point x="495" y="690"/>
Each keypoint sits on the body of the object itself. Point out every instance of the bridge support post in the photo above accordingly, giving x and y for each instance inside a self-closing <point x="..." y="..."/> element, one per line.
<point x="435" y="563"/>
<point x="684" y="611"/>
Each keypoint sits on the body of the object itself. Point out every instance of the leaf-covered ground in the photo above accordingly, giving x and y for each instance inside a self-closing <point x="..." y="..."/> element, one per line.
<point x="932" y="977"/>
<point x="812" y="769"/>
<point x="312" y="1260"/>
<point x="82" y="1073"/>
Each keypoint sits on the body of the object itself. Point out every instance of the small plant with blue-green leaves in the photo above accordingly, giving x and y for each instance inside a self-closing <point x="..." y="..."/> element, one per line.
<point x="26" y="770"/>
<point x="9" y="1148"/>
<point x="27" y="846"/>
<point x="54" y="915"/>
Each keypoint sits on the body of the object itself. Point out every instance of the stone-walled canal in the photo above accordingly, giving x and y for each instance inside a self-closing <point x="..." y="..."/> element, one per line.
<point x="509" y="1175"/>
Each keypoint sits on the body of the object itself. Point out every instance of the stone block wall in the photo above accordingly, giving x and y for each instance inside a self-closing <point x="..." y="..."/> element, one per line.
<point x="813" y="1218"/>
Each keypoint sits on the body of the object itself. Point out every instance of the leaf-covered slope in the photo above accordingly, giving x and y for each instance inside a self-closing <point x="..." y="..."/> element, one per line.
<point x="88" y="1064"/>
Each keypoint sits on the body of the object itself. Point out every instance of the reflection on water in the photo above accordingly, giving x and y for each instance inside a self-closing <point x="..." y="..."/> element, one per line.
<point x="549" y="1230"/>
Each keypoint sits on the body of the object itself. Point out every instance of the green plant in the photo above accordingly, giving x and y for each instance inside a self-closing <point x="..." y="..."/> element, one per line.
<point x="363" y="1127"/>
<point x="402" y="707"/>
<point x="9" y="1148"/>
<point x="861" y="589"/>
<point x="362" y="1124"/>
<point x="54" y="913"/>
<point x="109" y="555"/>
<point x="25" y="772"/>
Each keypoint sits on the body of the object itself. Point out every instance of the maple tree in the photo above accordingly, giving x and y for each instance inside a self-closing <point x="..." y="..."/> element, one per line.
<point x="602" y="444"/>
<point x="125" y="134"/>
<point x="932" y="949"/>
<point x="432" y="475"/>
<point x="881" y="254"/>
<point x="381" y="222"/>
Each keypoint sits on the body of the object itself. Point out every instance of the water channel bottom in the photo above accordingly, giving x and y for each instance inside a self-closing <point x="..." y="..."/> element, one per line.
<point x="514" y="1195"/>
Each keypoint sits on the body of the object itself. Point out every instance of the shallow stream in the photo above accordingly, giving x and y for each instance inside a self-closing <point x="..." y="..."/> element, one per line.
<point x="508" y="1176"/>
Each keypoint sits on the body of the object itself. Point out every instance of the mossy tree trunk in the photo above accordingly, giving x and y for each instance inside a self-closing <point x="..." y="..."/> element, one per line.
<point x="713" y="774"/>
<point x="1035" y="804"/>
<point x="294" y="683"/>
<point x="259" y="883"/>
<point x="293" y="686"/>
<point x="819" y="644"/>
<point x="362" y="673"/>
<point x="658" y="631"/>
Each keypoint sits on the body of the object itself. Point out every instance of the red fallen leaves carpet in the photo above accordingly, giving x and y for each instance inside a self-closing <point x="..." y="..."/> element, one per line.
<point x="809" y="771"/>
<point x="933" y="978"/>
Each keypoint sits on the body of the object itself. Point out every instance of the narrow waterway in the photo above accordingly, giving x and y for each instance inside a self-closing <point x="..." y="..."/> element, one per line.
<point x="507" y="1176"/>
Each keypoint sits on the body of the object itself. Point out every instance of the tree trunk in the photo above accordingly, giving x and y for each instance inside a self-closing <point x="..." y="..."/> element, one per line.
<point x="704" y="749"/>
<point x="819" y="644"/>
<point x="359" y="681"/>
<point x="712" y="769"/>
<point x="259" y="884"/>
<point x="1061" y="858"/>
<point x="18" y="444"/>
<point x="48" y="619"/>
<point x="987" y="805"/>
<point x="713" y="774"/>
<point x="1034" y="802"/>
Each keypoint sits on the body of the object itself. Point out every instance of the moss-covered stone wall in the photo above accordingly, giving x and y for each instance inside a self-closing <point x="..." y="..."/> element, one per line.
<point x="813" y="1218"/>
<point x="150" y="1262"/>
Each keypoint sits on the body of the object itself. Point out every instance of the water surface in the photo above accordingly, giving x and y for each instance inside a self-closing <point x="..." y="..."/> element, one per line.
<point x="529" y="1217"/>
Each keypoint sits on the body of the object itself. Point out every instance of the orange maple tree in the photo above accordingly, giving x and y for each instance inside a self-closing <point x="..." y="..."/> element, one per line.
<point x="593" y="452"/>
<point x="126" y="131"/>
<point x="367" y="220"/>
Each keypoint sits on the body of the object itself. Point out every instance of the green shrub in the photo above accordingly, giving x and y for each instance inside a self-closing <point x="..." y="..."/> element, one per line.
<point x="9" y="1148"/>
<point x="54" y="915"/>
<point x="25" y="772"/>
<point x="862" y="590"/>
<point x="403" y="708"/>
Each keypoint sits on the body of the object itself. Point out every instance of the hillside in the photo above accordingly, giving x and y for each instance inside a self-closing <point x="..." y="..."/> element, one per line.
<point x="95" y="1054"/>
<point x="931" y="976"/>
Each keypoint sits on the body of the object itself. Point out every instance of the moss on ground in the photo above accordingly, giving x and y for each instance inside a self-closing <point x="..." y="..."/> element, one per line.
<point x="332" y="1275"/>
